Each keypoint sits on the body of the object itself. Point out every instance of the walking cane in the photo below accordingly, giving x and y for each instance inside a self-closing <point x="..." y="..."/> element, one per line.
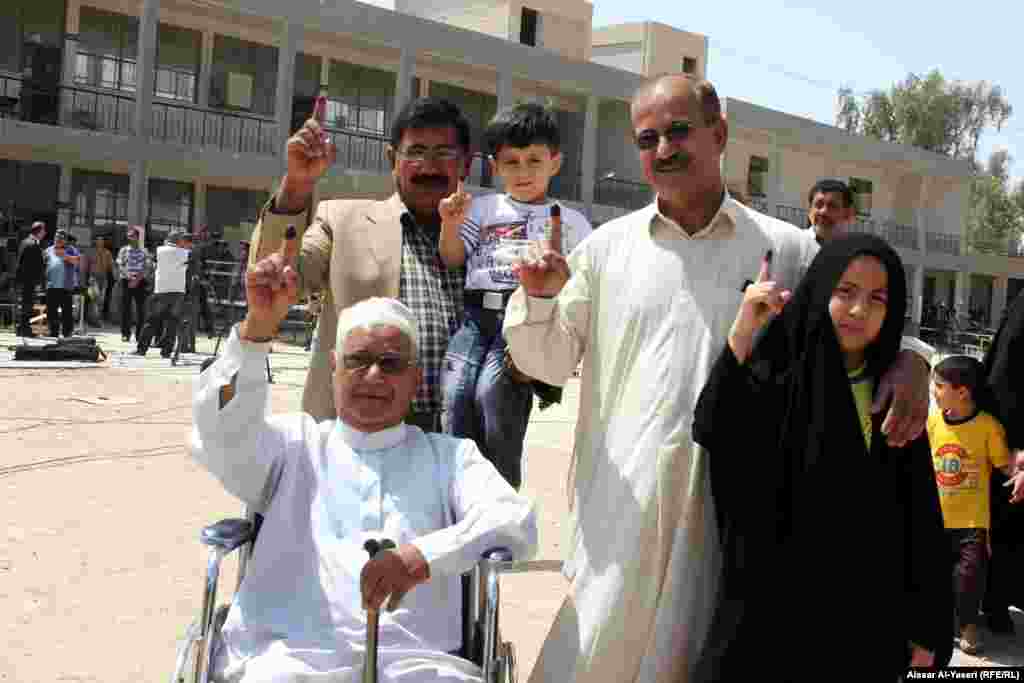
<point x="372" y="616"/>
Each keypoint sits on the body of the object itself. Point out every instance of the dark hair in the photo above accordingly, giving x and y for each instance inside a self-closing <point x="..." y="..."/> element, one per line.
<point x="521" y="126"/>
<point x="431" y="112"/>
<point x="831" y="186"/>
<point x="967" y="372"/>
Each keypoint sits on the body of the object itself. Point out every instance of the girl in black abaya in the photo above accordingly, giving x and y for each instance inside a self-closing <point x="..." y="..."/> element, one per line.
<point x="835" y="558"/>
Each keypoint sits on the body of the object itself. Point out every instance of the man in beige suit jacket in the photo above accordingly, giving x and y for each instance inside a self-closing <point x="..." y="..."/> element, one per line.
<point x="356" y="249"/>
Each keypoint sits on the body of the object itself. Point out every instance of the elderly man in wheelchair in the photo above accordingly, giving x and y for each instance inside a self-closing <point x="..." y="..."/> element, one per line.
<point x="325" y="489"/>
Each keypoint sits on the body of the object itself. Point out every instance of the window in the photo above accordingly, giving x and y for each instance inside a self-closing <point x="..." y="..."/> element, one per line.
<point x="178" y="53"/>
<point x="757" y="175"/>
<point x="170" y="207"/>
<point x="861" y="190"/>
<point x="528" y="25"/>
<point x="244" y="75"/>
<point x="359" y="98"/>
<point x="108" y="46"/>
<point x="689" y="65"/>
<point x="99" y="200"/>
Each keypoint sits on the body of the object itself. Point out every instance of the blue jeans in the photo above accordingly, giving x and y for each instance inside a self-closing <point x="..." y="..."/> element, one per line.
<point x="481" y="401"/>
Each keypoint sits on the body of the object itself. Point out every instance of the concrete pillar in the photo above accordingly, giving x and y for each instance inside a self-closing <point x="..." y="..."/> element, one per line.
<point x="198" y="205"/>
<point x="776" y="182"/>
<point x="588" y="158"/>
<point x="138" y="194"/>
<point x="205" y="69"/>
<point x="920" y="221"/>
<point x="146" y="67"/>
<point x="403" y="79"/>
<point x="503" y="90"/>
<point x="999" y="293"/>
<point x="424" y="87"/>
<point x="288" y="40"/>
<point x="72" y="16"/>
<point x="917" y="295"/>
<point x="962" y="296"/>
<point x="64" y="197"/>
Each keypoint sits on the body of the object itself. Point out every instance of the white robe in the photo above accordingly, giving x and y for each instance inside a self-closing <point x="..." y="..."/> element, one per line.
<point x="324" y="489"/>
<point x="648" y="308"/>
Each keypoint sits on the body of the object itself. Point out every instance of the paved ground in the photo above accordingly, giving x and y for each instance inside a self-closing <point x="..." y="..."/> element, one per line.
<point x="100" y="508"/>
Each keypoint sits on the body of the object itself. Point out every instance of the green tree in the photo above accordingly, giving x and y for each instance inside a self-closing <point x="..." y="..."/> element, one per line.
<point x="949" y="118"/>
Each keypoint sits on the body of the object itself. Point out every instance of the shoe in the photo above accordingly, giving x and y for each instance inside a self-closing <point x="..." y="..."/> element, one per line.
<point x="970" y="644"/>
<point x="1000" y="623"/>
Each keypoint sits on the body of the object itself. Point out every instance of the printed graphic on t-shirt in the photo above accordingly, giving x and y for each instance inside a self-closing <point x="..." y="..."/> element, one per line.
<point x="956" y="472"/>
<point x="490" y="238"/>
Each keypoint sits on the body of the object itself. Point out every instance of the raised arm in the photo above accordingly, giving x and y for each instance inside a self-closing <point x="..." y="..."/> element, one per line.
<point x="233" y="435"/>
<point x="547" y="320"/>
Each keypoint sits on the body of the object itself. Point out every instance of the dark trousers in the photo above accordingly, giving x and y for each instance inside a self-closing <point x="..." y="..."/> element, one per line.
<point x="108" y="287"/>
<point x="162" y="323"/>
<point x="28" y="296"/>
<point x="130" y="295"/>
<point x="58" y="311"/>
<point x="969" y="554"/>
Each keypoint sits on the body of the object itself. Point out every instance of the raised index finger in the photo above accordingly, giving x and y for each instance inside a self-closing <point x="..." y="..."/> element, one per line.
<point x="766" y="267"/>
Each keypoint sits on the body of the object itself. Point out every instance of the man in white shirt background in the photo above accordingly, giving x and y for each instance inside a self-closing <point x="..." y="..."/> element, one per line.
<point x="326" y="488"/>
<point x="168" y="294"/>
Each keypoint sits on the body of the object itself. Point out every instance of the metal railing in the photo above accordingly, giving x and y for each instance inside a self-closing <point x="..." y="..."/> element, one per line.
<point x="626" y="194"/>
<point x="69" y="106"/>
<point x="1010" y="247"/>
<point x="187" y="124"/>
<point x="942" y="243"/>
<point x="360" y="151"/>
<point x="794" y="215"/>
<point x="759" y="204"/>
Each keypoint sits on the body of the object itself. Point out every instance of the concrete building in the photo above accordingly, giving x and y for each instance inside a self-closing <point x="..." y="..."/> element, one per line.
<point x="174" y="113"/>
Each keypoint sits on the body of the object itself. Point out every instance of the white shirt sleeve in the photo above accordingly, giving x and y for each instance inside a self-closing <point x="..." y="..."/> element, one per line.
<point x="240" y="443"/>
<point x="488" y="513"/>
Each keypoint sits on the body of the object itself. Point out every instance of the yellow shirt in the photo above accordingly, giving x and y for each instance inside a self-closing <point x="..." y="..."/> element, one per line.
<point x="863" y="388"/>
<point x="964" y="453"/>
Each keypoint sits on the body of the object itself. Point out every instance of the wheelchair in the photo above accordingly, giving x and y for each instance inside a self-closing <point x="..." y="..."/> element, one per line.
<point x="481" y="593"/>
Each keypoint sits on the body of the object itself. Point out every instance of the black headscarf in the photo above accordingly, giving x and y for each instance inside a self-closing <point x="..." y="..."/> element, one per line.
<point x="819" y="534"/>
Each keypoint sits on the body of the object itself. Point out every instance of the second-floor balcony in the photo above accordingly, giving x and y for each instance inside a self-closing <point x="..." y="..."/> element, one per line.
<point x="113" y="111"/>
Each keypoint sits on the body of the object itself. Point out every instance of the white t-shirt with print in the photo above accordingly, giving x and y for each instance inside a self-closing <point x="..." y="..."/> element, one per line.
<point x="496" y="216"/>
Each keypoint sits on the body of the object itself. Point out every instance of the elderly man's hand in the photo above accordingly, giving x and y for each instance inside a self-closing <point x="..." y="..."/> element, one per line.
<point x="271" y="286"/>
<point x="906" y="385"/>
<point x="394" y="573"/>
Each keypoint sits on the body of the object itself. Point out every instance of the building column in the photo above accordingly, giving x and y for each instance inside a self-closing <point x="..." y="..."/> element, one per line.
<point x="917" y="295"/>
<point x="588" y="157"/>
<point x="962" y="296"/>
<point x="72" y="17"/>
<point x="205" y="69"/>
<point x="138" y="194"/>
<point x="198" y="205"/>
<point x="919" y="218"/>
<point x="146" y="67"/>
<point x="64" y="197"/>
<point x="289" y="35"/>
<point x="503" y="90"/>
<point x="424" y="87"/>
<point x="403" y="79"/>
<point x="999" y="292"/>
<point x="776" y="186"/>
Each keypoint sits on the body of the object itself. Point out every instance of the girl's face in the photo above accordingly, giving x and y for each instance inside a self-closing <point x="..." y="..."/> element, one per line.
<point x="858" y="307"/>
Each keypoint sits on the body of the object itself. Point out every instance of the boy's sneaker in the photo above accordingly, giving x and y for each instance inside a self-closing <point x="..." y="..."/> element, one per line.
<point x="969" y="642"/>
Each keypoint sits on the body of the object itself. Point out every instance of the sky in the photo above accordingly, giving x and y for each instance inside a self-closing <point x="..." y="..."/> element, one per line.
<point x="793" y="56"/>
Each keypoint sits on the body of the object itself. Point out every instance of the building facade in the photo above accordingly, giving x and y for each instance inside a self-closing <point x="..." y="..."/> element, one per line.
<point x="175" y="113"/>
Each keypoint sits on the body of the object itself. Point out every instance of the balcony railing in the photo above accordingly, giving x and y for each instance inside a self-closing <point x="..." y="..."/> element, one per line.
<point x="626" y="194"/>
<point x="360" y="151"/>
<point x="1010" y="247"/>
<point x="759" y="204"/>
<point x="186" y="124"/>
<point x="72" y="107"/>
<point x="792" y="214"/>
<point x="942" y="243"/>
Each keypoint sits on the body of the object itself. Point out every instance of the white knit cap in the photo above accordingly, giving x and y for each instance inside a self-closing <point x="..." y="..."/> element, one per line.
<point x="377" y="312"/>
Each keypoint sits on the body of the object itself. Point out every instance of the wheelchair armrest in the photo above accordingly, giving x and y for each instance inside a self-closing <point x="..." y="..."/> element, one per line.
<point x="228" y="534"/>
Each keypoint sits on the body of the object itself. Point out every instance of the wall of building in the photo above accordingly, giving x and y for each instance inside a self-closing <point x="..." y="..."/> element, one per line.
<point x="484" y="16"/>
<point x="565" y="25"/>
<point x="648" y="48"/>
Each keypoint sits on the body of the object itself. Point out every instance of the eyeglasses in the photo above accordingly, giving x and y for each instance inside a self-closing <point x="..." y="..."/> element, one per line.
<point x="677" y="131"/>
<point x="389" y="363"/>
<point x="418" y="155"/>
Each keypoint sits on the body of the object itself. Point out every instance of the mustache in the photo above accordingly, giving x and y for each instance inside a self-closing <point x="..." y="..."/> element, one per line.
<point x="677" y="161"/>
<point x="431" y="179"/>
